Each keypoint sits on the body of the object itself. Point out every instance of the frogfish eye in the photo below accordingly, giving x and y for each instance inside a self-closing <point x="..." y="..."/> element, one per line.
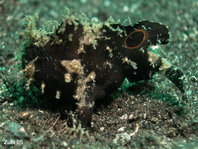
<point x="135" y="39"/>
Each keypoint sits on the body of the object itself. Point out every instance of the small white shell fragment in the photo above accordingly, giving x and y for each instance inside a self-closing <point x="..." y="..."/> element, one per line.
<point x="124" y="117"/>
<point x="102" y="128"/>
<point x="121" y="129"/>
<point x="131" y="116"/>
<point x="136" y="130"/>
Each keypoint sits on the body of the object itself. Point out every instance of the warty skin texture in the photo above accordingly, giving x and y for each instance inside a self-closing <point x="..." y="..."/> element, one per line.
<point x="83" y="62"/>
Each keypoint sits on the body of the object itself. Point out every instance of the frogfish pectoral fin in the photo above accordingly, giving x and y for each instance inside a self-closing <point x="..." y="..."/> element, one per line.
<point x="162" y="66"/>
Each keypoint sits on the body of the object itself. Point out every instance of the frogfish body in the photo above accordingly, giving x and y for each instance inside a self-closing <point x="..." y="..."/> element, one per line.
<point x="83" y="61"/>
